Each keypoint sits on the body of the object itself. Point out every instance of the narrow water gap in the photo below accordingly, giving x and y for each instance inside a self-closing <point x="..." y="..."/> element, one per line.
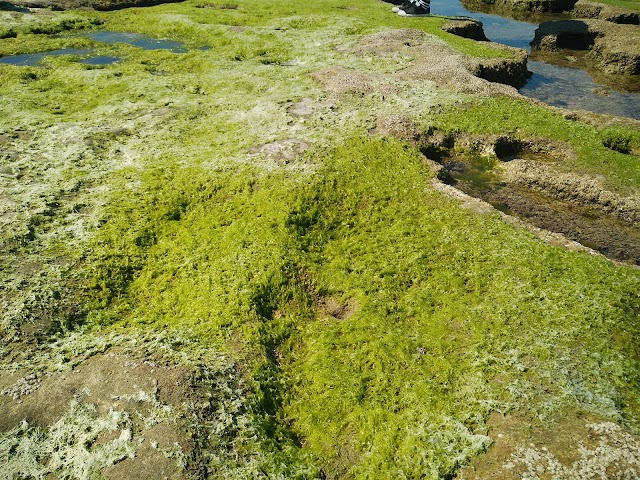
<point x="578" y="219"/>
<point x="561" y="80"/>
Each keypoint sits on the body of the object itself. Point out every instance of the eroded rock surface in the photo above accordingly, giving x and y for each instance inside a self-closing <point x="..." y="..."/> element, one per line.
<point x="524" y="179"/>
<point x="434" y="61"/>
<point x="466" y="28"/>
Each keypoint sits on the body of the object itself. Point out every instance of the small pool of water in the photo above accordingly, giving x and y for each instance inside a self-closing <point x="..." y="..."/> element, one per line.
<point x="557" y="85"/>
<point x="100" y="60"/>
<point x="134" y="39"/>
<point x="34" y="59"/>
<point x="138" y="40"/>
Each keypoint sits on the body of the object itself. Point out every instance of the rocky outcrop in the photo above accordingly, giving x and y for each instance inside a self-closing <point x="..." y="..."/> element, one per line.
<point x="433" y="61"/>
<point x="467" y="28"/>
<point x="512" y="72"/>
<point x="586" y="9"/>
<point x="614" y="48"/>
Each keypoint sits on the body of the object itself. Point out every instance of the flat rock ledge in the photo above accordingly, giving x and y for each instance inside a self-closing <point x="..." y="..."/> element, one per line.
<point x="467" y="28"/>
<point x="435" y="61"/>
<point x="613" y="47"/>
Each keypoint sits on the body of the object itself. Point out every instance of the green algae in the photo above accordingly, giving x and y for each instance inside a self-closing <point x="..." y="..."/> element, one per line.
<point x="440" y="295"/>
<point x="139" y="175"/>
<point x="592" y="143"/>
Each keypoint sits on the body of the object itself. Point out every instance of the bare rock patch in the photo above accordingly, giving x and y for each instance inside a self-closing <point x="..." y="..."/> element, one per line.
<point x="340" y="310"/>
<point x="281" y="151"/>
<point x="576" y="447"/>
<point x="435" y="61"/>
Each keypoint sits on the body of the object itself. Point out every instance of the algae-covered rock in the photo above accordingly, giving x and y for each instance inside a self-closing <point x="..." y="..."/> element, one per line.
<point x="587" y="9"/>
<point x="613" y="47"/>
<point x="467" y="28"/>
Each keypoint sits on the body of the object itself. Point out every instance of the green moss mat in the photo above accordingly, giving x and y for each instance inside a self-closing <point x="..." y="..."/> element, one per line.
<point x="375" y="323"/>
<point x="374" y="314"/>
<point x="628" y="4"/>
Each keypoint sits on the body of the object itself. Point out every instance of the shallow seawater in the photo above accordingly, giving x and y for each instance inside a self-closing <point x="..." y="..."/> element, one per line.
<point x="134" y="39"/>
<point x="138" y="40"/>
<point x="34" y="59"/>
<point x="557" y="85"/>
<point x="100" y="60"/>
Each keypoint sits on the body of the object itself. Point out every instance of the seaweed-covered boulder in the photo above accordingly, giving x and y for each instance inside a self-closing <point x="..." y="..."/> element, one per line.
<point x="467" y="28"/>
<point x="587" y="9"/>
<point x="615" y="48"/>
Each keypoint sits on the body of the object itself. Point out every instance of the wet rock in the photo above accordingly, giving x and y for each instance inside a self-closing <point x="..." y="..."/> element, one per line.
<point x="466" y="28"/>
<point x="571" y="34"/>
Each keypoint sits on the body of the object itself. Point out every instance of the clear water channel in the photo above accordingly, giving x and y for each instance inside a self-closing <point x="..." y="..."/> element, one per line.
<point x="558" y="83"/>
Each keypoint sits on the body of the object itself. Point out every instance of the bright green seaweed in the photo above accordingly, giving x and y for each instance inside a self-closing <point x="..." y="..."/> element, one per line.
<point x="375" y="322"/>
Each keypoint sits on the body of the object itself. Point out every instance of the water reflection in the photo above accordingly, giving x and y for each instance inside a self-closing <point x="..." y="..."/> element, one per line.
<point x="558" y="86"/>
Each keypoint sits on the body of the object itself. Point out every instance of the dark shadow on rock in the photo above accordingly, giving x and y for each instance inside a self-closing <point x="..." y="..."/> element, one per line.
<point x="570" y="34"/>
